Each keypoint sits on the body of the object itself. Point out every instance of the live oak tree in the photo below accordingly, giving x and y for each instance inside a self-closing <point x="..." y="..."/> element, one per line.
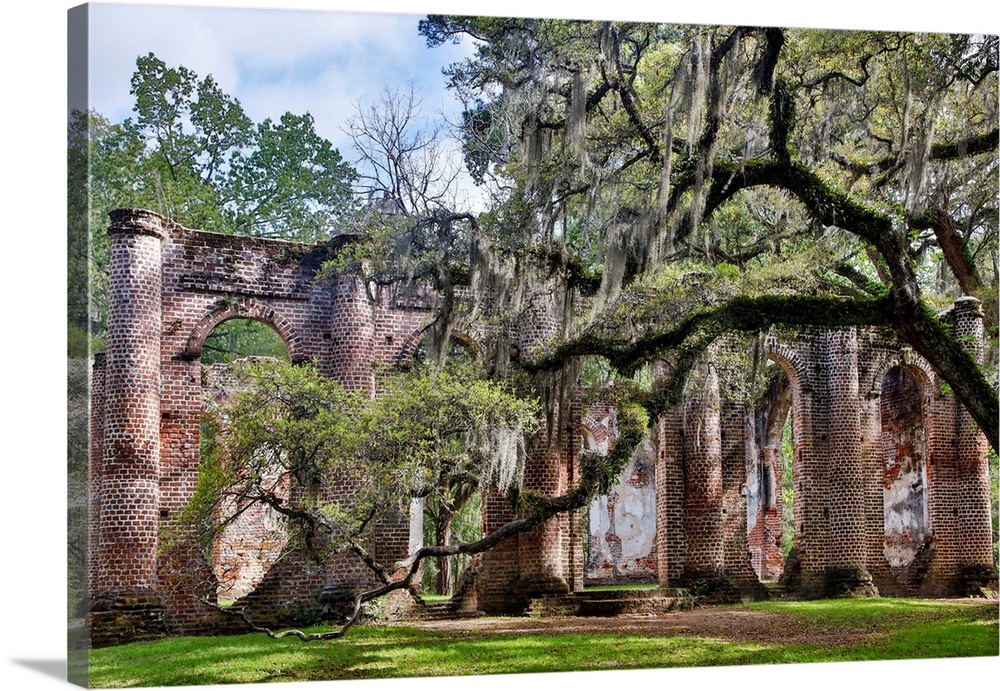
<point x="657" y="187"/>
<point x="861" y="167"/>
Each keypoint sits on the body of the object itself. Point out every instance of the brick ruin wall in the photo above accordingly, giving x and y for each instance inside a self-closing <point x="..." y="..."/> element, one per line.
<point x="254" y="538"/>
<point x="621" y="536"/>
<point x="696" y="505"/>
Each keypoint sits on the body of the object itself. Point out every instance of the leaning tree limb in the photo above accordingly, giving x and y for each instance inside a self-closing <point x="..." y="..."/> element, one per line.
<point x="598" y="472"/>
<point x="910" y="317"/>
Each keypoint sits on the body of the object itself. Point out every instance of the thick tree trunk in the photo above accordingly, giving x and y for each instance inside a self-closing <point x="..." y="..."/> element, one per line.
<point x="950" y="243"/>
<point x="442" y="536"/>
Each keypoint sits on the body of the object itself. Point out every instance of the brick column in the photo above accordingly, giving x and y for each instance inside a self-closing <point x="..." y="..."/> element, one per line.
<point x="733" y="450"/>
<point x="96" y="459"/>
<point x="846" y="566"/>
<point x="351" y="362"/>
<point x="703" y="482"/>
<point x="126" y="602"/>
<point x="352" y="329"/>
<point x="544" y="559"/>
<point x="963" y="529"/>
<point x="671" y="544"/>
<point x="541" y="555"/>
<point x="499" y="568"/>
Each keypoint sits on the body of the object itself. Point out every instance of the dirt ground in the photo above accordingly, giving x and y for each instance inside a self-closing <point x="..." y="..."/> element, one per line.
<point x="721" y="623"/>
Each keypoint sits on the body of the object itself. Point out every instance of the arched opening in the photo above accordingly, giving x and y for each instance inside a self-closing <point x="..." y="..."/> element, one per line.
<point x="454" y="515"/>
<point x="620" y="527"/>
<point x="239" y="338"/>
<point x="254" y="537"/>
<point x="770" y="487"/>
<point x="461" y="350"/>
<point x="904" y="472"/>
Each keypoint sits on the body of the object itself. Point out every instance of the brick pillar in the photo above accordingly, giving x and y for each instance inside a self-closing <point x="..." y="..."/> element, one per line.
<point x="541" y="554"/>
<point x="545" y="559"/>
<point x="572" y="524"/>
<point x="963" y="526"/>
<point x="670" y="536"/>
<point x="703" y="481"/>
<point x="499" y="570"/>
<point x="97" y="372"/>
<point x="351" y="363"/>
<point x="846" y="566"/>
<point x="733" y="451"/>
<point x="126" y="602"/>
<point x="352" y="329"/>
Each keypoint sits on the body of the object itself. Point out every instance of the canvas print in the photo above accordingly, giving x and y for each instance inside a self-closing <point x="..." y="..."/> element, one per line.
<point x="433" y="345"/>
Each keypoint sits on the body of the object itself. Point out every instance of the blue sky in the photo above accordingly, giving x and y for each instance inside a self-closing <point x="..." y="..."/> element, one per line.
<point x="273" y="61"/>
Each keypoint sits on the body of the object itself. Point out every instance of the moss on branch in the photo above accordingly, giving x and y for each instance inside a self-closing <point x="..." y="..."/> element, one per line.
<point x="741" y="313"/>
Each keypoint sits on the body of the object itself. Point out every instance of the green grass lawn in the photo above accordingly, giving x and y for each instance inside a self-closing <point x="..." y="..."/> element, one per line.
<point x="896" y="629"/>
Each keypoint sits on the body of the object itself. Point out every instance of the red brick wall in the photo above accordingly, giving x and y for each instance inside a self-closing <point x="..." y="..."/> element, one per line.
<point x="170" y="287"/>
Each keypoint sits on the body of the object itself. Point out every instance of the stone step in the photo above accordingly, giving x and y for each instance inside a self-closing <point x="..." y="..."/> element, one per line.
<point x="611" y="603"/>
<point x="630" y="594"/>
<point x="438" y="611"/>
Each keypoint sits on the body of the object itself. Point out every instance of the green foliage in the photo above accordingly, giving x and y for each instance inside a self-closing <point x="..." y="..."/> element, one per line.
<point x="450" y="423"/>
<point x="288" y="430"/>
<point x="205" y="163"/>
<point x="598" y="372"/>
<point x="191" y="153"/>
<point x="787" y="487"/>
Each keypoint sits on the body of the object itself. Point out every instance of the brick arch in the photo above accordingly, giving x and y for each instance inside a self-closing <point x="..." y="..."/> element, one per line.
<point x="243" y="308"/>
<point x="597" y="432"/>
<point x="404" y="358"/>
<point x="789" y="359"/>
<point x="913" y="365"/>
<point x="905" y="449"/>
<point x="764" y="477"/>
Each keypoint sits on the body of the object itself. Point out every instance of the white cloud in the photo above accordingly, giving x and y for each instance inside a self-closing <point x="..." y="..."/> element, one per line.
<point x="272" y="60"/>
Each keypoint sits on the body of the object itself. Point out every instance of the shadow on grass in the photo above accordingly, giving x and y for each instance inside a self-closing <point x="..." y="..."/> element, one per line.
<point x="893" y="630"/>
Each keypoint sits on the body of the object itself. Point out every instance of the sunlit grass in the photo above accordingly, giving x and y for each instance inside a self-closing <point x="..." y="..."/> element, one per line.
<point x="435" y="598"/>
<point x="892" y="629"/>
